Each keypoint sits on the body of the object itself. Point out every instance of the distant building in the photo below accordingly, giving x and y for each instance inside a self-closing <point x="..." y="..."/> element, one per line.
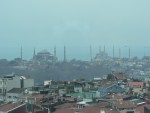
<point x="109" y="89"/>
<point x="78" y="88"/>
<point x="26" y="82"/>
<point x="136" y="84"/>
<point x="137" y="87"/>
<point x="101" y="56"/>
<point x="62" y="92"/>
<point x="47" y="82"/>
<point x="44" y="57"/>
<point x="124" y="106"/>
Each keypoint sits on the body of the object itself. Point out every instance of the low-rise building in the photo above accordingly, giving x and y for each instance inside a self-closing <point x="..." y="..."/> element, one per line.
<point x="11" y="81"/>
<point x="124" y="106"/>
<point x="14" y="94"/>
<point x="109" y="89"/>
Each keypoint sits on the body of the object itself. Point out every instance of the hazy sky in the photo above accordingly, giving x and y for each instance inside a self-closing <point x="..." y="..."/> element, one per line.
<point x="75" y="23"/>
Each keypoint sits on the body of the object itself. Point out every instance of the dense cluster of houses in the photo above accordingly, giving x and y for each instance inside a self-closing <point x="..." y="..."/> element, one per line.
<point x="117" y="94"/>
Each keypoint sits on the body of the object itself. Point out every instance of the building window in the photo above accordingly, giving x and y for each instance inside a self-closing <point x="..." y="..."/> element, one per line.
<point x="9" y="96"/>
<point x="130" y="111"/>
<point x="1" y="83"/>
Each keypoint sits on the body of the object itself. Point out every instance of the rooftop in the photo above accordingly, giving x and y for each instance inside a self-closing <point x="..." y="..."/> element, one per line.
<point x="124" y="104"/>
<point x="10" y="106"/>
<point x="136" y="84"/>
<point x="16" y="90"/>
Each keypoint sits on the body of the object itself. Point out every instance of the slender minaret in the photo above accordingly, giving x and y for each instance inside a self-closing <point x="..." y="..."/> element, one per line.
<point x="64" y="53"/>
<point x="55" y="51"/>
<point x="119" y="52"/>
<point x="104" y="48"/>
<point x="99" y="49"/>
<point x="129" y="52"/>
<point x="91" y="53"/>
<point x="113" y="51"/>
<point x="21" y="53"/>
<point x="34" y="53"/>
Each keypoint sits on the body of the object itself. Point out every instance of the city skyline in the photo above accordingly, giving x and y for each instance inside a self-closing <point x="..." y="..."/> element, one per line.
<point x="79" y="53"/>
<point x="45" y="24"/>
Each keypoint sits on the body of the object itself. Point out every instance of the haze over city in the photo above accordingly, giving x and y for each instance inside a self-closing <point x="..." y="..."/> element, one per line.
<point x="74" y="56"/>
<point x="77" y="24"/>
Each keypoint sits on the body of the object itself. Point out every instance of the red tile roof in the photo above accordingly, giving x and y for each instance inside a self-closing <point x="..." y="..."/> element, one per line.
<point x="66" y="105"/>
<point x="102" y="104"/>
<point x="117" y="96"/>
<point x="10" y="106"/>
<point x="120" y="76"/>
<point x="16" y="90"/>
<point x="90" y="110"/>
<point x="124" y="104"/>
<point x="85" y="110"/>
<point x="140" y="108"/>
<point x="148" y="107"/>
<point x="64" y="111"/>
<point x="136" y="84"/>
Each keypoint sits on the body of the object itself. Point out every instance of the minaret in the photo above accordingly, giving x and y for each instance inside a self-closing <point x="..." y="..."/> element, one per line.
<point x="34" y="53"/>
<point x="99" y="49"/>
<point x="91" y="53"/>
<point x="113" y="51"/>
<point x="21" y="53"/>
<point x="119" y="52"/>
<point x="64" y="53"/>
<point x="104" y="48"/>
<point x="55" y="51"/>
<point x="129" y="52"/>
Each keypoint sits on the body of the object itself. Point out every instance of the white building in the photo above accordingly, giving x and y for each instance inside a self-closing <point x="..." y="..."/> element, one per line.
<point x="11" y="81"/>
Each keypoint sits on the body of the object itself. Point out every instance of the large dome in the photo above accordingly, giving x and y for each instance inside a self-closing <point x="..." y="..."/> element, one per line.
<point x="44" y="52"/>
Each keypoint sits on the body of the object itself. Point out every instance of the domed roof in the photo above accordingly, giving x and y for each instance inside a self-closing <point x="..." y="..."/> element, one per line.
<point x="44" y="52"/>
